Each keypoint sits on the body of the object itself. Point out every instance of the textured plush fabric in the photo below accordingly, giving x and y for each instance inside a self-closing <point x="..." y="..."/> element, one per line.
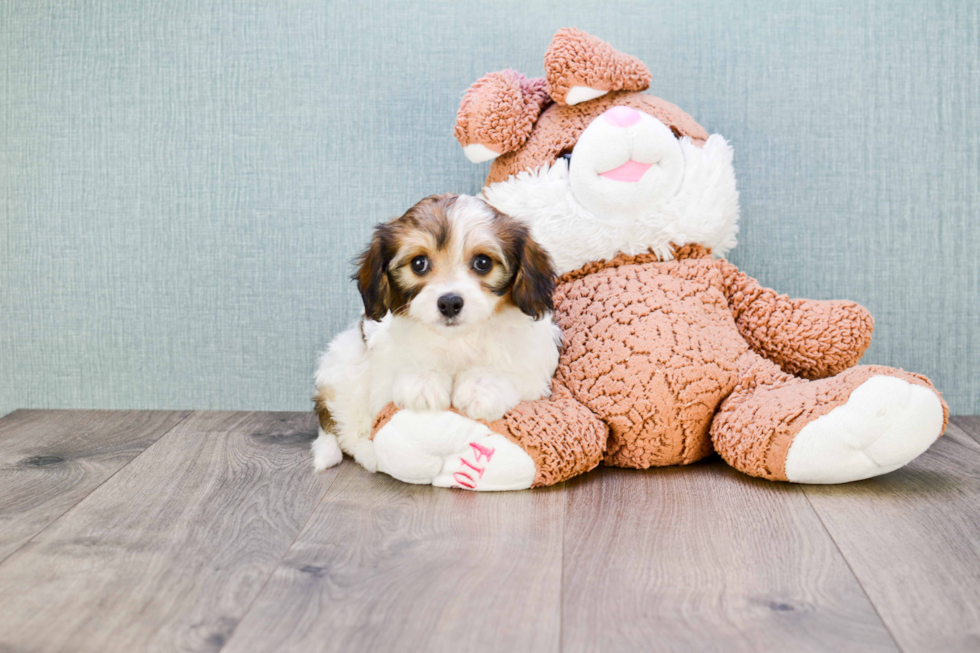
<point x="656" y="369"/>
<point x="650" y="348"/>
<point x="558" y="129"/>
<point x="654" y="349"/>
<point x="576" y="58"/>
<point x="656" y="344"/>
<point x="766" y="409"/>
<point x="562" y="436"/>
<point x="812" y="339"/>
<point x="499" y="110"/>
<point x="184" y="184"/>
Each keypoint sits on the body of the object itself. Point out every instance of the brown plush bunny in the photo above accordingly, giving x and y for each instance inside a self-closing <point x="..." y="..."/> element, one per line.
<point x="670" y="352"/>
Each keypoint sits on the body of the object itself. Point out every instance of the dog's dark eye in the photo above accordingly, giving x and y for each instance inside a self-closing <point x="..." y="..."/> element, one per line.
<point x="482" y="263"/>
<point x="420" y="264"/>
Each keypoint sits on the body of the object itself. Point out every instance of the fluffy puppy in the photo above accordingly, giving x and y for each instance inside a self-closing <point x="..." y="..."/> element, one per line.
<point x="457" y="312"/>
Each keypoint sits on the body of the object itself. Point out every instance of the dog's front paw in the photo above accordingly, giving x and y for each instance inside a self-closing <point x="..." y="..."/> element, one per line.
<point x="484" y="395"/>
<point x="423" y="391"/>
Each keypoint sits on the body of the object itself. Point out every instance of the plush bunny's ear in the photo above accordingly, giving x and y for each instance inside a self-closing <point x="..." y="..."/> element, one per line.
<point x="497" y="114"/>
<point x="580" y="67"/>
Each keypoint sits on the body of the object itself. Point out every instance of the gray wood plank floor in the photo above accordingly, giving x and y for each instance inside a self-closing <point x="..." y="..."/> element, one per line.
<point x="704" y="558"/>
<point x="169" y="531"/>
<point x="51" y="460"/>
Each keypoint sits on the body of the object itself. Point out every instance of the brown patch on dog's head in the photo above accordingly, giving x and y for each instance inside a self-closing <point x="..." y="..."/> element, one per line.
<point x="531" y="282"/>
<point x="425" y="221"/>
<point x="453" y="248"/>
<point x="372" y="274"/>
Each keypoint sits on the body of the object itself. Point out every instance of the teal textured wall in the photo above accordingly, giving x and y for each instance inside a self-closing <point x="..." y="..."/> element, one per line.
<point x="183" y="185"/>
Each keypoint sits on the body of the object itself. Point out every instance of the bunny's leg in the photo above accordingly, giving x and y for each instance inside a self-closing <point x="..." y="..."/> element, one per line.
<point x="535" y="444"/>
<point x="866" y="421"/>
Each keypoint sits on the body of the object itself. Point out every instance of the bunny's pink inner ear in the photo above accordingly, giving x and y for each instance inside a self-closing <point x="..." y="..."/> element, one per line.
<point x="497" y="114"/>
<point x="580" y="67"/>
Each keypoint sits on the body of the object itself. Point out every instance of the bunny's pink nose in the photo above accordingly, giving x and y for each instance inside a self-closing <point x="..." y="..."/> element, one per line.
<point x="622" y="116"/>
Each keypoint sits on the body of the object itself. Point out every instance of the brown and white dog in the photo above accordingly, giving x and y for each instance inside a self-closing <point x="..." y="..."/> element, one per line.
<point x="457" y="312"/>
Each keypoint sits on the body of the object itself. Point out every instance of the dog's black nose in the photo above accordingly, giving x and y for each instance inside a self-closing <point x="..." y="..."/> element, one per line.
<point x="450" y="305"/>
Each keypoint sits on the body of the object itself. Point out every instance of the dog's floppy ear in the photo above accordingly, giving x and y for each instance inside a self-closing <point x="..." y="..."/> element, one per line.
<point x="534" y="278"/>
<point x="372" y="274"/>
<point x="580" y="67"/>
<point x="497" y="114"/>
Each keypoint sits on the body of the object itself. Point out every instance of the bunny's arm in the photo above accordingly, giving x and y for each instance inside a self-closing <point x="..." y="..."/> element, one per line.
<point x="808" y="338"/>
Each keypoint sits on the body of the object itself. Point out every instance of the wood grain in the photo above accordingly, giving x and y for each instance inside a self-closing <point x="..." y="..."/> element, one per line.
<point x="912" y="538"/>
<point x="136" y="531"/>
<point x="170" y="552"/>
<point x="703" y="558"/>
<point x="384" y="566"/>
<point x="969" y="425"/>
<point x="52" y="459"/>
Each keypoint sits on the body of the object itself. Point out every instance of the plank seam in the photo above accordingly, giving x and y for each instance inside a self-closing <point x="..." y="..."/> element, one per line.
<point x="57" y="519"/>
<point x="854" y="575"/>
<point x="275" y="567"/>
<point x="960" y="422"/>
<point x="561" y="578"/>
